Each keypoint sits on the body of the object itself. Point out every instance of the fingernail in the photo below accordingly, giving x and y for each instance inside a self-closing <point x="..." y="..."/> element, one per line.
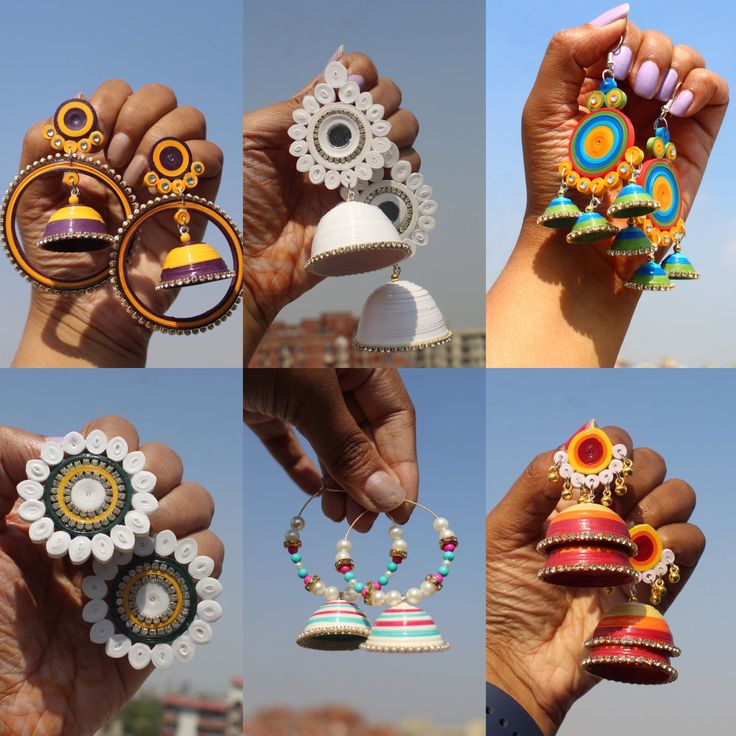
<point x="668" y="86"/>
<point x="339" y="51"/>
<point x="645" y="84"/>
<point x="136" y="169"/>
<point x="358" y="79"/>
<point x="119" y="150"/>
<point x="682" y="103"/>
<point x="622" y="62"/>
<point x="80" y="95"/>
<point x="612" y="15"/>
<point x="384" y="491"/>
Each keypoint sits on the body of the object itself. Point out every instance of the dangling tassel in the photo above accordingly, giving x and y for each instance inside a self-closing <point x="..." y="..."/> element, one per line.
<point x="650" y="277"/>
<point x="591" y="227"/>
<point x="561" y="212"/>
<point x="633" y="201"/>
<point x="678" y="266"/>
<point x="631" y="241"/>
<point x="75" y="228"/>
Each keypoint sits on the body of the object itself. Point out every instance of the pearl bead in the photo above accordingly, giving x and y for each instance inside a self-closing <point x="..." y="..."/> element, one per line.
<point x="344" y="544"/>
<point x="291" y="536"/>
<point x="342" y="555"/>
<point x="413" y="596"/>
<point x="297" y="523"/>
<point x="331" y="592"/>
<point x="299" y="565"/>
<point x="349" y="595"/>
<point x="440" y="524"/>
<point x="399" y="544"/>
<point x="378" y="598"/>
<point x="318" y="588"/>
<point x="393" y="597"/>
<point x="395" y="532"/>
<point x="427" y="589"/>
<point x="447" y="533"/>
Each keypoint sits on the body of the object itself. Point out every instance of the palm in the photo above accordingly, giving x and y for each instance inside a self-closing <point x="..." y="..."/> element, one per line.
<point x="51" y="675"/>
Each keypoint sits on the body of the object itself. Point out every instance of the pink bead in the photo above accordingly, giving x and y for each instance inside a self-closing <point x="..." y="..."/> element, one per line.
<point x="377" y="585"/>
<point x="307" y="579"/>
<point x="397" y="560"/>
<point x="449" y="547"/>
<point x="293" y="550"/>
<point x="364" y="592"/>
<point x="439" y="577"/>
<point x="345" y="568"/>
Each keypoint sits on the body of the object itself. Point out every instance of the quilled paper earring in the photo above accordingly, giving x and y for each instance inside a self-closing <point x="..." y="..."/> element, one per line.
<point x="666" y="226"/>
<point x="633" y="643"/>
<point x="588" y="544"/>
<point x="87" y="497"/>
<point x="75" y="227"/>
<point x="155" y="606"/>
<point x="173" y="173"/>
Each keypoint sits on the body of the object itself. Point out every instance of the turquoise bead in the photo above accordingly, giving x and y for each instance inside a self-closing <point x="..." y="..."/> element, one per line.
<point x="296" y="557"/>
<point x="348" y="576"/>
<point x="392" y="566"/>
<point x="358" y="587"/>
<point x="449" y="556"/>
<point x="383" y="580"/>
<point x="302" y="572"/>
<point x="443" y="570"/>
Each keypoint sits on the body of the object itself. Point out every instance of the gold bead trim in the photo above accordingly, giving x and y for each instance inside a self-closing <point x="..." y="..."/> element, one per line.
<point x="562" y="539"/>
<point x="631" y="641"/>
<point x="405" y="249"/>
<point x="404" y="348"/>
<point x="589" y="661"/>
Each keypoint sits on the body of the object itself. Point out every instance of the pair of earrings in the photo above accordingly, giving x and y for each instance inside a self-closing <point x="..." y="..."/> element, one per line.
<point x="76" y="227"/>
<point x="340" y="142"/>
<point x="588" y="545"/>
<point x="340" y="625"/>
<point x="602" y="157"/>
<point x="152" y="597"/>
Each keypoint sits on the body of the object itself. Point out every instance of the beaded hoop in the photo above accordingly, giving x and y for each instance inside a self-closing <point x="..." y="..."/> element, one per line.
<point x="88" y="496"/>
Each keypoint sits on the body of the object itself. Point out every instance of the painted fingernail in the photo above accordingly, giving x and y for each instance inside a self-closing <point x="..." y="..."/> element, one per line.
<point x="120" y="150"/>
<point x="136" y="170"/>
<point x="339" y="51"/>
<point x="612" y="15"/>
<point x="622" y="62"/>
<point x="668" y="86"/>
<point x="384" y="491"/>
<point x="645" y="84"/>
<point x="682" y="103"/>
<point x="358" y="79"/>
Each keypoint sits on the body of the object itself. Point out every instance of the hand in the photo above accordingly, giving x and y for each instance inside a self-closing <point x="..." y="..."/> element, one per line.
<point x="535" y="630"/>
<point x="574" y="300"/>
<point x="53" y="680"/>
<point x="94" y="329"/>
<point x="281" y="208"/>
<point x="361" y="424"/>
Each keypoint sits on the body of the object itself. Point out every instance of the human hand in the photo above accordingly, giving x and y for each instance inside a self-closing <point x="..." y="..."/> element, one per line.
<point x="281" y="208"/>
<point x="94" y="329"/>
<point x="53" y="679"/>
<point x="573" y="299"/>
<point x="535" y="630"/>
<point x="361" y="424"/>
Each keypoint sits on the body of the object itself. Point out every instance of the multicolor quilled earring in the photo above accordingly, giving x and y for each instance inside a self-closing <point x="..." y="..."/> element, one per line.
<point x="666" y="226"/>
<point x="588" y="544"/>
<point x="154" y="605"/>
<point x="633" y="643"/>
<point x="73" y="135"/>
<point x="173" y="173"/>
<point x="340" y="140"/>
<point x="602" y="156"/>
<point x="340" y="625"/>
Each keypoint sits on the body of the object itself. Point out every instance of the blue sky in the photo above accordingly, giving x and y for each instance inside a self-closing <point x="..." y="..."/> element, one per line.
<point x="447" y="687"/>
<point x="687" y="416"/>
<point x="434" y="52"/>
<point x="680" y="323"/>
<point x="51" y="53"/>
<point x="205" y="433"/>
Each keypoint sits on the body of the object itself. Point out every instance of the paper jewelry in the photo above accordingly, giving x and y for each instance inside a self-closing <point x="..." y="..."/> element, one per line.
<point x="340" y="140"/>
<point x="75" y="227"/>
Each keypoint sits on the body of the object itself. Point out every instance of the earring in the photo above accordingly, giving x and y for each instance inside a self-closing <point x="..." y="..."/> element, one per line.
<point x="156" y="604"/>
<point x="633" y="643"/>
<point x="588" y="544"/>
<point x="173" y="173"/>
<point x="666" y="226"/>
<point x="87" y="497"/>
<point x="75" y="227"/>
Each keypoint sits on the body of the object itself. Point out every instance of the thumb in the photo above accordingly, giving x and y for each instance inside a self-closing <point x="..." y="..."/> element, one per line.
<point x="17" y="447"/>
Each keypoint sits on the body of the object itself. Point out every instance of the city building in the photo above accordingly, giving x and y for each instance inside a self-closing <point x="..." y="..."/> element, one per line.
<point x="190" y="716"/>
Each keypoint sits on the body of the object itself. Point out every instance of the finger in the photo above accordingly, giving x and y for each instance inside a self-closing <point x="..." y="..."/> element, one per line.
<point x="410" y="155"/>
<point x="684" y="60"/>
<point x="186" y="123"/>
<point x="701" y="88"/>
<point x="139" y="113"/>
<point x="404" y="128"/>
<point x="623" y="57"/>
<point x="185" y="509"/>
<point x="165" y="464"/>
<point x="361" y="519"/>
<point x="17" y="447"/>
<point x="108" y="99"/>
<point x="114" y="426"/>
<point x="361" y="69"/>
<point x="209" y="544"/>
<point x="652" y="62"/>
<point x="687" y="541"/>
<point x="672" y="502"/>
<point x="334" y="505"/>
<point x="210" y="154"/>
<point x="388" y="94"/>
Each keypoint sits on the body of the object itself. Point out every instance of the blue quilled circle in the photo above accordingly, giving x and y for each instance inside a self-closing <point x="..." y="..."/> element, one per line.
<point x="661" y="181"/>
<point x="599" y="142"/>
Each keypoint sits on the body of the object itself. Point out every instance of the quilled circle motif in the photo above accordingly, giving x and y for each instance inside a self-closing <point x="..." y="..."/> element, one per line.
<point x="661" y="180"/>
<point x="599" y="142"/>
<point x="590" y="451"/>
<point x="649" y="547"/>
<point x="75" y="119"/>
<point x="170" y="158"/>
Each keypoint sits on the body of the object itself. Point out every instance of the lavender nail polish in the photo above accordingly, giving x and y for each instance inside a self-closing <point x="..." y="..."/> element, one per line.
<point x="358" y="79"/>
<point x="682" y="103"/>
<point x="645" y="84"/>
<point x="668" y="86"/>
<point x="622" y="62"/>
<point x="612" y="15"/>
<point x="339" y="51"/>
